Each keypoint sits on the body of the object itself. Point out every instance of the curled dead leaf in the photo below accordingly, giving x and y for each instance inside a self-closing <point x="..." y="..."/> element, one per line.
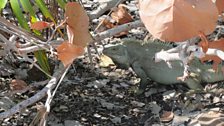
<point x="167" y="116"/>
<point x="17" y="85"/>
<point x="121" y="15"/>
<point x="219" y="44"/>
<point x="178" y="20"/>
<point x="67" y="52"/>
<point x="105" y="61"/>
<point x="78" y="21"/>
<point x="107" y="24"/>
<point x="204" y="42"/>
<point x="40" y="25"/>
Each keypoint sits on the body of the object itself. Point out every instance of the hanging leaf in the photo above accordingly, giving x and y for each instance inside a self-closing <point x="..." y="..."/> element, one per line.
<point x="219" y="44"/>
<point x="40" y="25"/>
<point x="220" y="6"/>
<point x="204" y="42"/>
<point x="77" y="31"/>
<point x="67" y="52"/>
<point x="178" y="20"/>
<point x="78" y="21"/>
<point x="3" y="4"/>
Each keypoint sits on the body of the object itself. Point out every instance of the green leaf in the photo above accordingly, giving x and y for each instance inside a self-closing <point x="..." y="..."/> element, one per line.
<point x="44" y="10"/>
<point x="41" y="56"/>
<point x="29" y="9"/>
<point x="47" y="13"/>
<point x="42" y="60"/>
<point x="61" y="3"/>
<point x="19" y="15"/>
<point x="3" y="4"/>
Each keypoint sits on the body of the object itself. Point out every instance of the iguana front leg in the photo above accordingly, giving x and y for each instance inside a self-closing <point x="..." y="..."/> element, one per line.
<point x="194" y="83"/>
<point x="143" y="76"/>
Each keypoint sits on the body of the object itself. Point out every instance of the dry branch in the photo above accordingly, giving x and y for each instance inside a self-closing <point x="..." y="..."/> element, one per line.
<point x="116" y="30"/>
<point x="105" y="5"/>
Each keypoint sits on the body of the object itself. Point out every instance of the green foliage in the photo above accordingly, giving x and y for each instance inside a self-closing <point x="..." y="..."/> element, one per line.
<point x="18" y="6"/>
<point x="29" y="9"/>
<point x="26" y="5"/>
<point x="3" y="4"/>
<point x="61" y="3"/>
<point x="19" y="15"/>
<point x="44" y="10"/>
<point x="42" y="60"/>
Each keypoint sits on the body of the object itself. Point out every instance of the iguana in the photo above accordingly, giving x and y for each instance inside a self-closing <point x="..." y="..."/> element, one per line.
<point x="139" y="55"/>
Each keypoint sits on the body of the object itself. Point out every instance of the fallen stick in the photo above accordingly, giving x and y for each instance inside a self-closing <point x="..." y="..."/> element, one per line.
<point x="113" y="31"/>
<point x="104" y="6"/>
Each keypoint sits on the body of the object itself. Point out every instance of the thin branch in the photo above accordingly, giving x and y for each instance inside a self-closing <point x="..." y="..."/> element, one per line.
<point x="113" y="31"/>
<point x="103" y="7"/>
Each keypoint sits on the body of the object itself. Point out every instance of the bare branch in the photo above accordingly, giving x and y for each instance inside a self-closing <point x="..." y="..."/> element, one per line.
<point x="105" y="5"/>
<point x="116" y="30"/>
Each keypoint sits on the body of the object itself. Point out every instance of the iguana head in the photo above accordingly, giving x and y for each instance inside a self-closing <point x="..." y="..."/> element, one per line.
<point x="118" y="53"/>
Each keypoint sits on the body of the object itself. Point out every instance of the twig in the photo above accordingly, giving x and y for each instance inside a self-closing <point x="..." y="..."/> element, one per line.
<point x="97" y="37"/>
<point x="51" y="96"/>
<point x="116" y="30"/>
<point x="104" y="6"/>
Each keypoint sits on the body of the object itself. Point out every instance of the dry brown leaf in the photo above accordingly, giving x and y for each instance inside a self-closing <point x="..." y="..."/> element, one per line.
<point x="219" y="44"/>
<point x="178" y="20"/>
<point x="121" y="15"/>
<point x="107" y="24"/>
<point x="41" y="112"/>
<point x="67" y="52"/>
<point x="17" y="85"/>
<point x="167" y="116"/>
<point x="204" y="42"/>
<point x="78" y="21"/>
<point x="105" y="61"/>
<point x="216" y="61"/>
<point x="220" y="6"/>
<point x="40" y="25"/>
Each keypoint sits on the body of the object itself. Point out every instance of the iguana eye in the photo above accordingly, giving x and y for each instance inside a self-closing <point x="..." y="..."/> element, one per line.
<point x="153" y="58"/>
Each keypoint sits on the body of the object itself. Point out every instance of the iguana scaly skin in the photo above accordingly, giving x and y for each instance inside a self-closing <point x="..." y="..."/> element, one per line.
<point x="139" y="56"/>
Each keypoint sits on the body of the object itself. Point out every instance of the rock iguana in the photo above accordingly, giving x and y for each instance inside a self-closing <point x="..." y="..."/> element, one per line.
<point x="139" y="56"/>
